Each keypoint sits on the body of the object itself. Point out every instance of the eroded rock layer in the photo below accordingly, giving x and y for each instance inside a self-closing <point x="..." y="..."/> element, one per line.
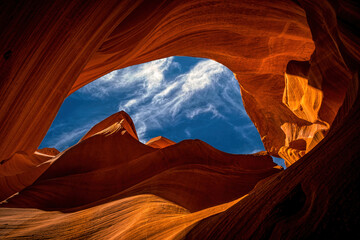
<point x="142" y="216"/>
<point x="297" y="63"/>
<point x="111" y="172"/>
<point x="255" y="39"/>
<point x="160" y="142"/>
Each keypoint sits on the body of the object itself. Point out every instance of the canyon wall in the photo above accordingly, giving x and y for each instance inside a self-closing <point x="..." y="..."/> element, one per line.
<point x="53" y="53"/>
<point x="147" y="191"/>
<point x="297" y="63"/>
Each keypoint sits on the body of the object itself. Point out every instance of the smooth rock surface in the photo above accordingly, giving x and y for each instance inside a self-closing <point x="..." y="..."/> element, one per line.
<point x="297" y="63"/>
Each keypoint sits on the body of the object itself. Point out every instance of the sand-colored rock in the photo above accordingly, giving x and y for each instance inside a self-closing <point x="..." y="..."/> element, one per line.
<point x="128" y="190"/>
<point x="112" y="163"/>
<point x="160" y="142"/>
<point x="297" y="63"/>
<point x="316" y="197"/>
<point x="21" y="170"/>
<point x="121" y="118"/>
<point x="47" y="151"/>
<point x="255" y="39"/>
<point x="139" y="217"/>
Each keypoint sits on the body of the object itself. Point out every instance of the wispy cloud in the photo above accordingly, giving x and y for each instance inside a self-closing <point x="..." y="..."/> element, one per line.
<point x="187" y="132"/>
<point x="209" y="108"/>
<point x="146" y="77"/>
<point x="163" y="95"/>
<point x="69" y="138"/>
<point x="185" y="96"/>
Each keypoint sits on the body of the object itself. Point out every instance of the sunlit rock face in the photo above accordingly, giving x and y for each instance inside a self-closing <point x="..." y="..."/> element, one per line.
<point x="297" y="63"/>
<point x="20" y="171"/>
<point x="160" y="142"/>
<point x="254" y="39"/>
<point x="48" y="151"/>
<point x="110" y="170"/>
<point x="113" y="123"/>
<point x="258" y="42"/>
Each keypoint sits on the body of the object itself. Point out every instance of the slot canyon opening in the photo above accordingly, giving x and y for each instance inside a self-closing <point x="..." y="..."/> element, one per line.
<point x="177" y="98"/>
<point x="298" y="68"/>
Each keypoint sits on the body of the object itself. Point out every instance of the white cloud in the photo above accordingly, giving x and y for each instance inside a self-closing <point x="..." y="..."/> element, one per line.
<point x="256" y="151"/>
<point x="209" y="108"/>
<point x="185" y="96"/>
<point x="245" y="131"/>
<point x="156" y="100"/>
<point x="202" y="75"/>
<point x="130" y="103"/>
<point x="140" y="129"/>
<point x="187" y="132"/>
<point x="153" y="72"/>
<point x="161" y="96"/>
<point x="66" y="139"/>
<point x="150" y="75"/>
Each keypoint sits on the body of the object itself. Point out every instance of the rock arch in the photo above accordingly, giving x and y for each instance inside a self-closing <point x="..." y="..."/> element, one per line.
<point x="297" y="63"/>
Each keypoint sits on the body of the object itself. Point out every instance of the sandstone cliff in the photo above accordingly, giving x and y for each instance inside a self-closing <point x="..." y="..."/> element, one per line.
<point x="297" y="64"/>
<point x="110" y="170"/>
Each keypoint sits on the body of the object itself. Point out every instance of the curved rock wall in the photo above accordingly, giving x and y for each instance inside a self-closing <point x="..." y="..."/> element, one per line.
<point x="297" y="63"/>
<point x="256" y="41"/>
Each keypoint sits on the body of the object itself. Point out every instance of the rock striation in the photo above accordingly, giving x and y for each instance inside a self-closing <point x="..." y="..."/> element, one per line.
<point x="117" y="119"/>
<point x="110" y="170"/>
<point x="256" y="40"/>
<point x="160" y="142"/>
<point x="297" y="64"/>
<point x="112" y="162"/>
<point x="22" y="169"/>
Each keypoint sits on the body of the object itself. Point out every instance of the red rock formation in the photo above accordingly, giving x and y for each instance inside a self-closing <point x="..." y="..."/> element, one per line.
<point x="48" y="151"/>
<point x="257" y="49"/>
<point x="317" y="197"/>
<point x="20" y="171"/>
<point x="138" y="217"/>
<point x="160" y="142"/>
<point x="119" y="118"/>
<point x="111" y="162"/>
<point x="113" y="174"/>
<point x="297" y="63"/>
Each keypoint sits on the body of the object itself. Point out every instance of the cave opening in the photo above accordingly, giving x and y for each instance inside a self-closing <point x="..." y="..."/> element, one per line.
<point x="314" y="198"/>
<point x="177" y="97"/>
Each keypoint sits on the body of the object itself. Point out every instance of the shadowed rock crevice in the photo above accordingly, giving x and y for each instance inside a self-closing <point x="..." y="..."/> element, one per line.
<point x="112" y="163"/>
<point x="282" y="212"/>
<point x="59" y="47"/>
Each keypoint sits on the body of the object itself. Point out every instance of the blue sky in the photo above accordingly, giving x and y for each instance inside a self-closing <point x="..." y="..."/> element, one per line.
<point x="177" y="97"/>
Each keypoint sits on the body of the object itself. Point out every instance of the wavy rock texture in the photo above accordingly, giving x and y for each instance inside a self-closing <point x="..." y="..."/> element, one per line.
<point x="48" y="151"/>
<point x="139" y="217"/>
<point x="113" y="174"/>
<point x="21" y="170"/>
<point x="297" y="63"/>
<point x="159" y="142"/>
<point x="113" y="162"/>
<point x="255" y="39"/>
<point x="117" y="118"/>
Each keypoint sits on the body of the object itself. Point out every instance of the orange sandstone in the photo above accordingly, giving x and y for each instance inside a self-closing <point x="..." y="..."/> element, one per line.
<point x="113" y="164"/>
<point x="297" y="64"/>
<point x="160" y="142"/>
<point x="121" y="118"/>
<point x="255" y="39"/>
